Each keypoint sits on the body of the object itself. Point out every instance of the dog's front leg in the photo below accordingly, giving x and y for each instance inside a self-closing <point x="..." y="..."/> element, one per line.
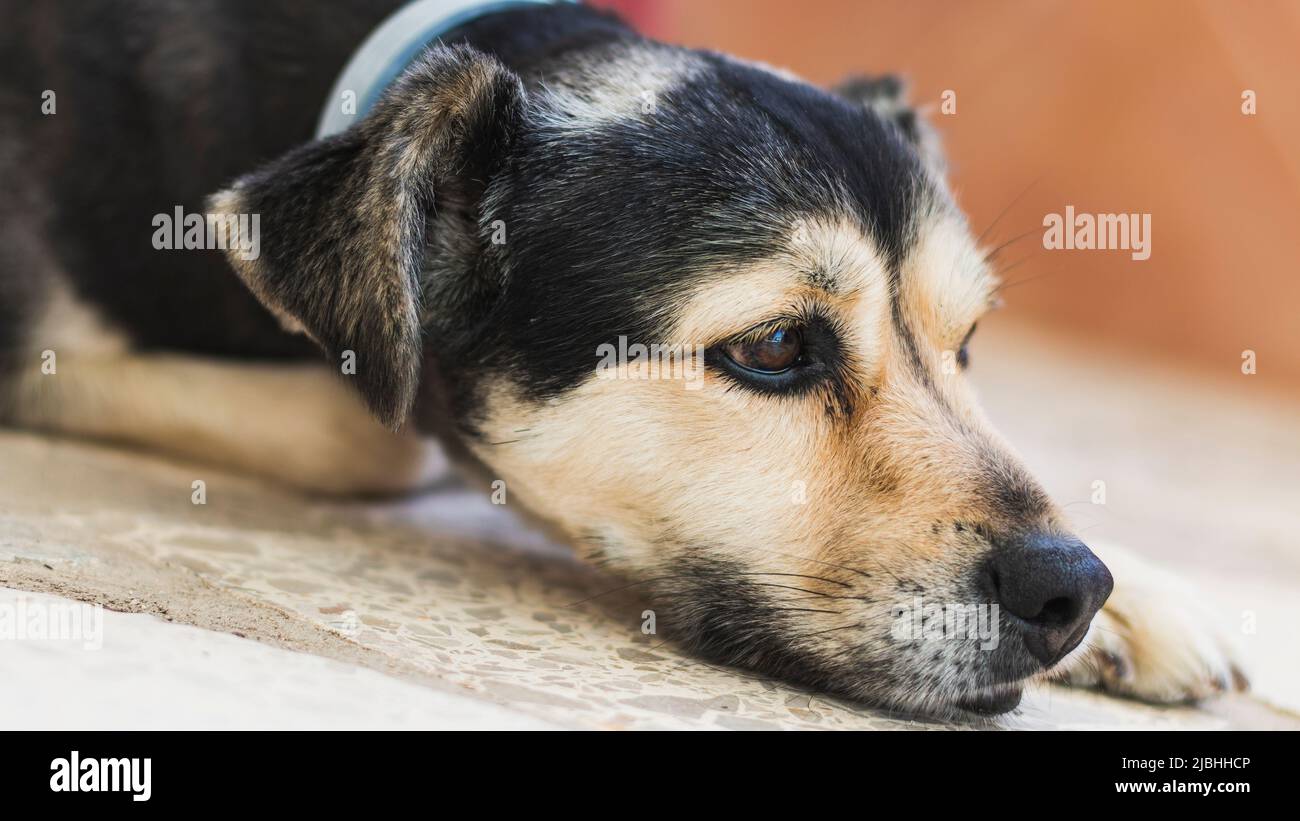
<point x="1153" y="640"/>
<point x="294" y="423"/>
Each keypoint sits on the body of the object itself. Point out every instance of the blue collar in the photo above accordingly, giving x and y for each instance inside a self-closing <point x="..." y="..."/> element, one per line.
<point x="390" y="48"/>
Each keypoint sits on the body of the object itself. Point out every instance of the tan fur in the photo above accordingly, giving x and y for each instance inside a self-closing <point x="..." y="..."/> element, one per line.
<point x="838" y="518"/>
<point x="773" y="484"/>
<point x="296" y="424"/>
<point x="731" y="440"/>
<point x="844" y="518"/>
<point x="946" y="283"/>
<point x="827" y="511"/>
<point x="67" y="323"/>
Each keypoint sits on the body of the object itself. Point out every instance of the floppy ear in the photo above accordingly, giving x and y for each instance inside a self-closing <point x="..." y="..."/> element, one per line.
<point x="345" y="222"/>
<point x="886" y="95"/>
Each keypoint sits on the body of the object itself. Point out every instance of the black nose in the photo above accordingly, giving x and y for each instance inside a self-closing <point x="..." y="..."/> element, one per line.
<point x="1053" y="585"/>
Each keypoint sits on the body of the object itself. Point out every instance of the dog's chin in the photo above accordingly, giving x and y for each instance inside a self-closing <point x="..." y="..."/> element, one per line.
<point x="974" y="706"/>
<point x="990" y="702"/>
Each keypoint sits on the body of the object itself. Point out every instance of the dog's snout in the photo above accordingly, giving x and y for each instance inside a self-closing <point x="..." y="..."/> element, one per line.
<point x="1053" y="585"/>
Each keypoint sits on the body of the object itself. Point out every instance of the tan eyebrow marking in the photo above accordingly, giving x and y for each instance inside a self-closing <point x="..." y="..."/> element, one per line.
<point x="832" y="255"/>
<point x="946" y="283"/>
<point x="832" y="263"/>
<point x="821" y="278"/>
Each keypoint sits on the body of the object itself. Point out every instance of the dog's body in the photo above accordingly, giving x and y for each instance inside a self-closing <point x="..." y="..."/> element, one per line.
<point x="549" y="184"/>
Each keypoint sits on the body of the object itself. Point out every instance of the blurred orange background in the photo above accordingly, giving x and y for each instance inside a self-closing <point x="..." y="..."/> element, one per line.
<point x="1112" y="107"/>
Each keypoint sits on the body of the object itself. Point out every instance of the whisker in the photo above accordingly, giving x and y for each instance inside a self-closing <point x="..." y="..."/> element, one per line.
<point x="1004" y="211"/>
<point x="831" y="630"/>
<point x="683" y="575"/>
<point x="862" y="573"/>
<point x="830" y="596"/>
<point x="621" y="588"/>
<point x="811" y="593"/>
<point x="803" y="610"/>
<point x="990" y="255"/>
<point x="802" y="576"/>
<point x="1004" y="286"/>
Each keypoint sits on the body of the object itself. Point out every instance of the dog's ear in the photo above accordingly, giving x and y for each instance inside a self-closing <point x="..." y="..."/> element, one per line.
<point x="886" y="95"/>
<point x="346" y="221"/>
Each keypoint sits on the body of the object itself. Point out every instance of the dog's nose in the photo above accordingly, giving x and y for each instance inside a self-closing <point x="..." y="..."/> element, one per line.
<point x="1053" y="585"/>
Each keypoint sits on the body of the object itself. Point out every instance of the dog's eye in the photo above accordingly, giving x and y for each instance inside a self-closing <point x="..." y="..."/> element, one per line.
<point x="784" y="357"/>
<point x="963" y="353"/>
<point x="777" y="351"/>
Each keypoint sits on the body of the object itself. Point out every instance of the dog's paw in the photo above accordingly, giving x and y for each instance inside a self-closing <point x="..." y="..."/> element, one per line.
<point x="1154" y="641"/>
<point x="347" y="453"/>
<point x="313" y="433"/>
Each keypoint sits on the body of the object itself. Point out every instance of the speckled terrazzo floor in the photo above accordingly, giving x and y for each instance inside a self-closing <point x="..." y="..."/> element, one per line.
<point x="442" y="597"/>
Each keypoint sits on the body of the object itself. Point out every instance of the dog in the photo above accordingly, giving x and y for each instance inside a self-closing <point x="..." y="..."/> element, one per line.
<point x="537" y="186"/>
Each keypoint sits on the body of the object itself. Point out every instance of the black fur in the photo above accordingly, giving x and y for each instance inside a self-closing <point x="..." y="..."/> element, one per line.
<point x="346" y="221"/>
<point x="718" y="173"/>
<point x="721" y="613"/>
<point x="159" y="103"/>
<point x="380" y="240"/>
<point x="637" y="206"/>
<point x="887" y="95"/>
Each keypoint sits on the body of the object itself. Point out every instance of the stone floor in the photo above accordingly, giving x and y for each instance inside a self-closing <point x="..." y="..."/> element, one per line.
<point x="263" y="609"/>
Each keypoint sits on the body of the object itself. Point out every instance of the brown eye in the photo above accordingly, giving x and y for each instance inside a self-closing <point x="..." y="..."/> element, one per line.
<point x="777" y="351"/>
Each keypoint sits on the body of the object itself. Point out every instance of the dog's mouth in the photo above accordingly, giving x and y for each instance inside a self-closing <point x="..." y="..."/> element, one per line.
<point x="992" y="701"/>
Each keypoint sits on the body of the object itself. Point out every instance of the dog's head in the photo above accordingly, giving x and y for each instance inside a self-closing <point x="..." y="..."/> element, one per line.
<point x="793" y="463"/>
